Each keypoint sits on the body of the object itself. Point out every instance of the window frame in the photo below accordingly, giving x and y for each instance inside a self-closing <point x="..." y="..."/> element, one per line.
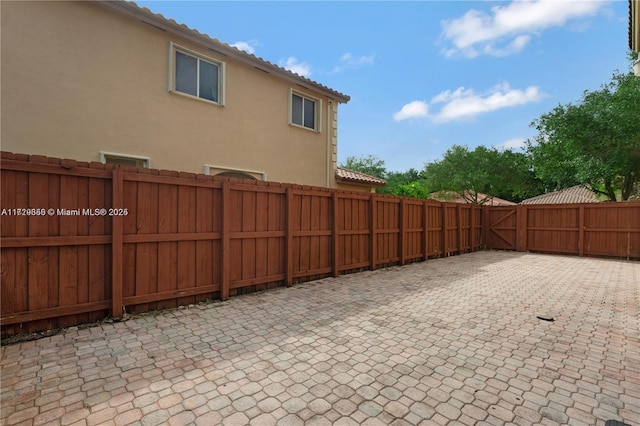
<point x="214" y="170"/>
<point x="173" y="49"/>
<point x="104" y="156"/>
<point x="317" y="114"/>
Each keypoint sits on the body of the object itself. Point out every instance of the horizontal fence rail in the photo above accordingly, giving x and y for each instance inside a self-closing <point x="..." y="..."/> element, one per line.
<point x="82" y="241"/>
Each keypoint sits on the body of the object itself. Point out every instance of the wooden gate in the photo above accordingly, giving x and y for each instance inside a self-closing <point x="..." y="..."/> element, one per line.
<point x="502" y="223"/>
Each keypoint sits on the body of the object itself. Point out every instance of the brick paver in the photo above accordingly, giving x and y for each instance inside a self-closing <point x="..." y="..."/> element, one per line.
<point x="448" y="341"/>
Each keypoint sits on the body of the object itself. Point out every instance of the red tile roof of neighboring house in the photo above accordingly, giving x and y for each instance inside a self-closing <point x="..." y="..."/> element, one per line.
<point x="454" y="197"/>
<point x="574" y="194"/>
<point x="165" y="24"/>
<point x="351" y="176"/>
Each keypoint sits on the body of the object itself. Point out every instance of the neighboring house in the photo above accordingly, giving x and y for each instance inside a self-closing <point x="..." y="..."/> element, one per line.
<point x="113" y="82"/>
<point x="469" y="198"/>
<point x="356" y="181"/>
<point x="634" y="31"/>
<point x="574" y="194"/>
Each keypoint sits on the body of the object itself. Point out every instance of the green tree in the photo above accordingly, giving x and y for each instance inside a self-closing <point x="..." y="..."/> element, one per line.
<point x="595" y="142"/>
<point x="410" y="183"/>
<point x="469" y="174"/>
<point x="370" y="165"/>
<point x="407" y="184"/>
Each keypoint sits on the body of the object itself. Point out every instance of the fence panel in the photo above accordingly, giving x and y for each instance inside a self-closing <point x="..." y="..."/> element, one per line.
<point x="434" y="224"/>
<point x="353" y="229"/>
<point x="413" y="230"/>
<point x="386" y="229"/>
<point x="553" y="228"/>
<point x="257" y="232"/>
<point x="311" y="225"/>
<point x="451" y="220"/>
<point x="612" y="230"/>
<point x="54" y="257"/>
<point x="476" y="228"/>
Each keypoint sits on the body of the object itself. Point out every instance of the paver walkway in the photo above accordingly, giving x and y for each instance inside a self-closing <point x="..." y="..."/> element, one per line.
<point x="448" y="341"/>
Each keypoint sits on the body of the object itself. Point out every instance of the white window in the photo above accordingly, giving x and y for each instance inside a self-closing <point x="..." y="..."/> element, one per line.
<point x="304" y="111"/>
<point x="124" y="159"/>
<point x="196" y="75"/>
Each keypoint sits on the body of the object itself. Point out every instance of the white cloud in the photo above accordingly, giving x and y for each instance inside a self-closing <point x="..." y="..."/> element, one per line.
<point x="515" y="143"/>
<point x="247" y="46"/>
<point x="508" y="29"/>
<point x="348" y="61"/>
<point x="415" y="109"/>
<point x="292" y="64"/>
<point x="465" y="103"/>
<point x="356" y="62"/>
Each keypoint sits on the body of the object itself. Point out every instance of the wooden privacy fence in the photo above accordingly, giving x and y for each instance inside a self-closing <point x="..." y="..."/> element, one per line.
<point x="81" y="241"/>
<point x="591" y="229"/>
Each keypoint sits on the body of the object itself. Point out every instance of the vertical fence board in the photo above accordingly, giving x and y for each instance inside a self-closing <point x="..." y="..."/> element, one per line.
<point x="289" y="237"/>
<point x="38" y="260"/>
<point x="117" y="233"/>
<point x="167" y="272"/>
<point x="68" y="272"/>
<point x="335" y="239"/>
<point x="225" y="234"/>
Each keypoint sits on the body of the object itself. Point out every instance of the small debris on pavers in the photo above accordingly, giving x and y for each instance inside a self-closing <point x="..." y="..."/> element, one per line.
<point x="546" y="317"/>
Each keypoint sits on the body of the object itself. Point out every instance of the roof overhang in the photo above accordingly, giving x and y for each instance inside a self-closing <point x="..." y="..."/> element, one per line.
<point x="169" y="25"/>
<point x="634" y="25"/>
<point x="356" y="178"/>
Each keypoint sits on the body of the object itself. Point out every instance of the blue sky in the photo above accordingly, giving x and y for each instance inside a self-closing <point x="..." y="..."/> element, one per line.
<point x="425" y="75"/>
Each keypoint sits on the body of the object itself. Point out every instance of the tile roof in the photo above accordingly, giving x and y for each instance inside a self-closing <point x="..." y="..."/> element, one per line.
<point x="166" y="24"/>
<point x="634" y="25"/>
<point x="347" y="175"/>
<point x="574" y="194"/>
<point x="454" y="197"/>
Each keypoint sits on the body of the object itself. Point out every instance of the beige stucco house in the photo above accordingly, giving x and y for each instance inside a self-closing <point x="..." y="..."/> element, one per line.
<point x="113" y="82"/>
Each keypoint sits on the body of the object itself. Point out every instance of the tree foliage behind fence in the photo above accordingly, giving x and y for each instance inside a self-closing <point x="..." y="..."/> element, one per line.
<point x="171" y="238"/>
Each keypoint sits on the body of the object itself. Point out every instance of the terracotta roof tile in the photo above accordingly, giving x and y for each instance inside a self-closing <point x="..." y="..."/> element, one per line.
<point x="574" y="194"/>
<point x="145" y="15"/>
<point x="343" y="174"/>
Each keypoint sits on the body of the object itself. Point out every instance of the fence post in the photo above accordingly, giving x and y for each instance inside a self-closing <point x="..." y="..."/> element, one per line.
<point x="472" y="228"/>
<point x="117" y="237"/>
<point x="484" y="223"/>
<point x="402" y="226"/>
<point x="289" y="238"/>
<point x="226" y="245"/>
<point x="445" y="249"/>
<point x="334" y="234"/>
<point x="373" y="218"/>
<point x="459" y="212"/>
<point x="425" y="222"/>
<point x="581" y="231"/>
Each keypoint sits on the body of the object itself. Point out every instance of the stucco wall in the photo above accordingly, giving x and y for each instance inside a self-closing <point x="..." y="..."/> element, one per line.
<point x="358" y="188"/>
<point x="78" y="79"/>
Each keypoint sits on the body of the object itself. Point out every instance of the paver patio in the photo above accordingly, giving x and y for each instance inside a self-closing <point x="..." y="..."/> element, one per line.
<point x="448" y="341"/>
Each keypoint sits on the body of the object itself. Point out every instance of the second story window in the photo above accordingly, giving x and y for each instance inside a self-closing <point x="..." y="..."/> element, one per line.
<point x="195" y="75"/>
<point x="305" y="111"/>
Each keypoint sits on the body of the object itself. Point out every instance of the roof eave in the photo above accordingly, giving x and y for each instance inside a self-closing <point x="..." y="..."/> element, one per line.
<point x="360" y="182"/>
<point x="634" y="25"/>
<point x="169" y="25"/>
